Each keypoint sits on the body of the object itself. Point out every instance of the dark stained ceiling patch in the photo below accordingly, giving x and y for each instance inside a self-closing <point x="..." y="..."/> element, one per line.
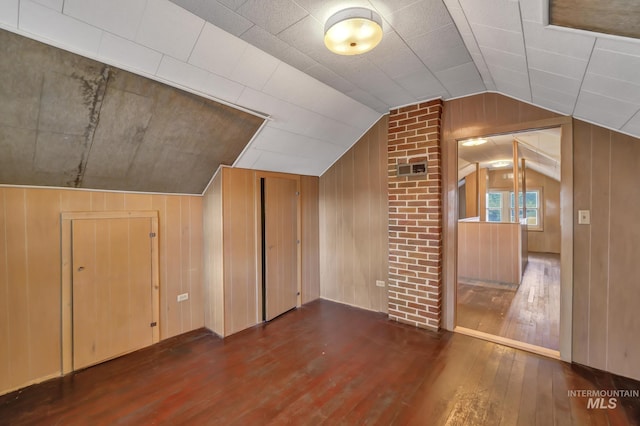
<point x="617" y="17"/>
<point x="69" y="121"/>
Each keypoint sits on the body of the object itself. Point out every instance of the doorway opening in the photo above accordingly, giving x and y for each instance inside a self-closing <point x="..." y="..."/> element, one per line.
<point x="509" y="238"/>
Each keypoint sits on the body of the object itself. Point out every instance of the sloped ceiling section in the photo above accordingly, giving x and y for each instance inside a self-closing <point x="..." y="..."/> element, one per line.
<point x="69" y="121"/>
<point x="310" y="124"/>
<point x="268" y="56"/>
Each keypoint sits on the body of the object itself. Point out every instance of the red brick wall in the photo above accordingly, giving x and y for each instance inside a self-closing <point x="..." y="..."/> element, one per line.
<point x="415" y="216"/>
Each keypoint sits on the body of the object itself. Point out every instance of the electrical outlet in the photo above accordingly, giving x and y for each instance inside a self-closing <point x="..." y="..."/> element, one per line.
<point x="182" y="297"/>
<point x="380" y="283"/>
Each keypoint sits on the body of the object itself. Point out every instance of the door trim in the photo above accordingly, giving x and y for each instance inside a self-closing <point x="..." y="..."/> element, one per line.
<point x="66" y="219"/>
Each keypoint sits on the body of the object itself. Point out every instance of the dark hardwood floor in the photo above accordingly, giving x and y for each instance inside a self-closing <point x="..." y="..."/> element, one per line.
<point x="529" y="313"/>
<point x="324" y="363"/>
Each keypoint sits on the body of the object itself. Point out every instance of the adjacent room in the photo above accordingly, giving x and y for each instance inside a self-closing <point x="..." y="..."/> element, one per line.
<point x="301" y="211"/>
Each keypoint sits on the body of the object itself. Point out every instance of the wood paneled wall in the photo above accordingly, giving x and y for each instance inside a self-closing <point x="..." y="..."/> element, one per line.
<point x="213" y="257"/>
<point x="354" y="240"/>
<point x="491" y="252"/>
<point x="309" y="199"/>
<point x="240" y="243"/>
<point x="606" y="323"/>
<point x="30" y="271"/>
<point x="233" y="251"/>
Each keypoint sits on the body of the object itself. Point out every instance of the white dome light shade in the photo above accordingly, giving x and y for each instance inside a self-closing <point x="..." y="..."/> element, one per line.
<point x="353" y="31"/>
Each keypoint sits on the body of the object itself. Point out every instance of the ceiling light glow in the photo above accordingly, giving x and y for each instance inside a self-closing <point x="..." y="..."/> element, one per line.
<point x="353" y="31"/>
<point x="474" y="142"/>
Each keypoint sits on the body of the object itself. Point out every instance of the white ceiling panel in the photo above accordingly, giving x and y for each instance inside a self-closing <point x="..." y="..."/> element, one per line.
<point x="423" y="85"/>
<point x="233" y="4"/>
<point x="514" y="89"/>
<point x="52" y="4"/>
<point x="169" y="29"/>
<point x="606" y="86"/>
<point x="557" y="64"/>
<point x="284" y="142"/>
<point x="597" y="108"/>
<point x="462" y="79"/>
<point x="195" y="78"/>
<point x="61" y="29"/>
<point x="324" y="74"/>
<point x="441" y="48"/>
<point x="274" y="161"/>
<point x="564" y="43"/>
<point x="254" y="68"/>
<point x="552" y="99"/>
<point x="504" y="59"/>
<point x="123" y="52"/>
<point x="420" y="18"/>
<point x="555" y="82"/>
<point x="121" y="17"/>
<point x="218" y="14"/>
<point x="503" y="14"/>
<point x="273" y="15"/>
<point x="322" y="10"/>
<point x="615" y="64"/>
<point x="632" y="126"/>
<point x="534" y="10"/>
<point x="217" y="51"/>
<point x="499" y="39"/>
<point x="9" y="12"/>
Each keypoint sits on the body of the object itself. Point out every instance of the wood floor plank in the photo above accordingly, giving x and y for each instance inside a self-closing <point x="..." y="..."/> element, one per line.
<point x="324" y="363"/>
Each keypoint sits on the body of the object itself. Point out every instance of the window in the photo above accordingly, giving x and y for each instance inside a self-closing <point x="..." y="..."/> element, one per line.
<point x="497" y="210"/>
<point x="494" y="207"/>
<point x="534" y="218"/>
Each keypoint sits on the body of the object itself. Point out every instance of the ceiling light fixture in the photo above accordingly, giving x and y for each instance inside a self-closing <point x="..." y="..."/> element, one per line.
<point x="474" y="142"/>
<point x="500" y="164"/>
<point x="353" y="31"/>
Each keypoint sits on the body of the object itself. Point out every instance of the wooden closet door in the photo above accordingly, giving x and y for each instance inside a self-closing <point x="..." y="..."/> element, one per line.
<point x="112" y="288"/>
<point x="281" y="245"/>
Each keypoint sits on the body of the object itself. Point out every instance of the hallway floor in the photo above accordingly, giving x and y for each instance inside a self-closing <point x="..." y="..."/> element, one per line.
<point x="529" y="313"/>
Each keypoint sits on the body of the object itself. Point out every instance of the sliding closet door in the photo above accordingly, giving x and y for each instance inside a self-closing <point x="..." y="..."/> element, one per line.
<point x="280" y="225"/>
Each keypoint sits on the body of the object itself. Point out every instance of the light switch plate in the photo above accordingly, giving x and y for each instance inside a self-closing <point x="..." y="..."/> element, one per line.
<point x="584" y="217"/>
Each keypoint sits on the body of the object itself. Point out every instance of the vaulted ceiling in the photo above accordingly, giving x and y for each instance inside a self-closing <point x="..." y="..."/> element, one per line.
<point x="268" y="58"/>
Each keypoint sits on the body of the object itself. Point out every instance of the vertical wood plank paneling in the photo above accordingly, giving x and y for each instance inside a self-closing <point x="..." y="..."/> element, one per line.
<point x="354" y="223"/>
<point x="599" y="261"/>
<point x="98" y="201"/>
<point x="114" y="201"/>
<point x="240" y="245"/>
<point x="581" y="241"/>
<point x="380" y="210"/>
<point x="159" y="203"/>
<point x="196" y="272"/>
<point x="361" y="225"/>
<point x="328" y="234"/>
<point x="43" y="257"/>
<point x="624" y="298"/>
<point x="30" y="255"/>
<point x="138" y="201"/>
<point x="18" y="279"/>
<point x="214" y="257"/>
<point x="309" y="193"/>
<point x="185" y="264"/>
<point x="5" y="324"/>
<point x="173" y="265"/>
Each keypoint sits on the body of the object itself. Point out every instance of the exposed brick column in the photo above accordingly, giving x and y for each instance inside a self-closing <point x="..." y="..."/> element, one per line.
<point x="415" y="216"/>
